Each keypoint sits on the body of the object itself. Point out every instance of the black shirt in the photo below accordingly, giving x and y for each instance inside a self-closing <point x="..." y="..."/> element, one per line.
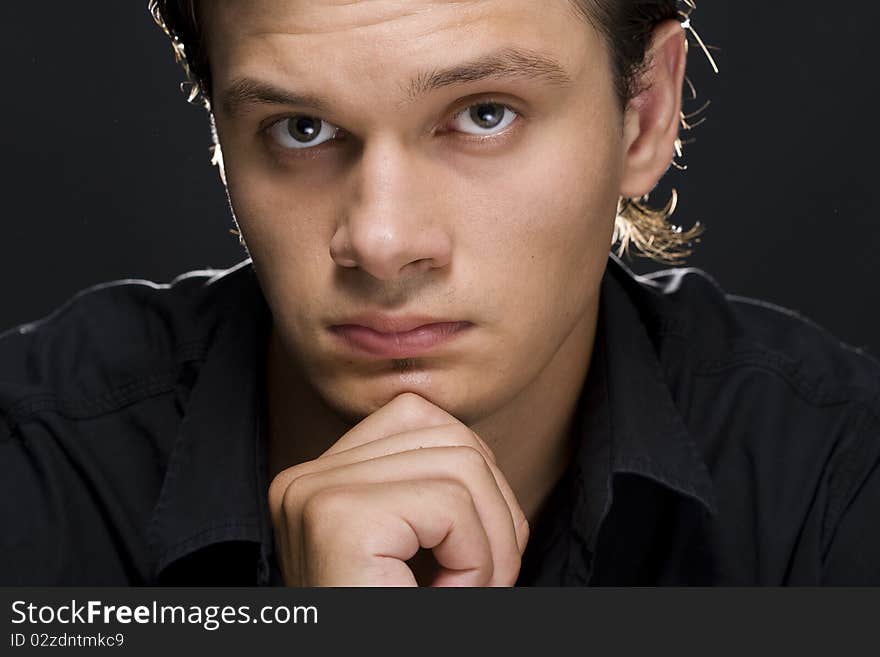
<point x="725" y="441"/>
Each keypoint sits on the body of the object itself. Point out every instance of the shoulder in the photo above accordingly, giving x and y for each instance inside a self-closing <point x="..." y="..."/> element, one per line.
<point x="758" y="384"/>
<point x="693" y="319"/>
<point x="112" y="335"/>
<point x="109" y="343"/>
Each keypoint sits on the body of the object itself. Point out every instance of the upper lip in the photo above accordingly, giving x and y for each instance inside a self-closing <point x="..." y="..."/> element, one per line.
<point x="393" y="324"/>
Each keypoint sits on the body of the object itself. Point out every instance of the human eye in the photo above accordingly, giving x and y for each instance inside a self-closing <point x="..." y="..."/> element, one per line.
<point x="301" y="132"/>
<point x="484" y="118"/>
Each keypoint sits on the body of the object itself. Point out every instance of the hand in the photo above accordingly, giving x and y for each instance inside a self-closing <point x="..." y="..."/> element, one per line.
<point x="406" y="477"/>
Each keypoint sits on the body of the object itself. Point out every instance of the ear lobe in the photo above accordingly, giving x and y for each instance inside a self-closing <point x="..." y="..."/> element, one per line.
<point x="653" y="118"/>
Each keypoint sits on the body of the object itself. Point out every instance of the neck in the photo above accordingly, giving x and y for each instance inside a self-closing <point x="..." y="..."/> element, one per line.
<point x="533" y="436"/>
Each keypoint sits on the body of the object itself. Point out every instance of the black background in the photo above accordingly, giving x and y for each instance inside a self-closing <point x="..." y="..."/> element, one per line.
<point x="105" y="169"/>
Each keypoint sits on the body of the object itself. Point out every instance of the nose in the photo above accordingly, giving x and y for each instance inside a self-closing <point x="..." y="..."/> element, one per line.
<point x="393" y="227"/>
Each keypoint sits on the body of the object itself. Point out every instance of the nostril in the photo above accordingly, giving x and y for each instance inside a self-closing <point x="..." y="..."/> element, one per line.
<point x="418" y="266"/>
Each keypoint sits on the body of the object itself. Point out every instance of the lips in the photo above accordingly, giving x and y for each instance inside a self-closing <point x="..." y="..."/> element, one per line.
<point x="407" y="337"/>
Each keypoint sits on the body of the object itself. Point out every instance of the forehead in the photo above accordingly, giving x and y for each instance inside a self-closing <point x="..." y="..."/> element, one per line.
<point x="374" y="40"/>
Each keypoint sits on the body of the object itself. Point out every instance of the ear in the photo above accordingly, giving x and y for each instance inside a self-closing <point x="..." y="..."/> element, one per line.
<point x="652" y="119"/>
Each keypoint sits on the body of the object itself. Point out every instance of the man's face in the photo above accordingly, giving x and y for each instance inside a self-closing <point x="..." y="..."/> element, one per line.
<point x="488" y="200"/>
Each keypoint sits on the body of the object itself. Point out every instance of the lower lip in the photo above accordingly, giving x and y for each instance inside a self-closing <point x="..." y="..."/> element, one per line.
<point x="413" y="343"/>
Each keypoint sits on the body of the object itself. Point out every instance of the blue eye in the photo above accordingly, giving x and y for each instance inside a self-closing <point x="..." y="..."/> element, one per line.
<point x="486" y="118"/>
<point x="298" y="132"/>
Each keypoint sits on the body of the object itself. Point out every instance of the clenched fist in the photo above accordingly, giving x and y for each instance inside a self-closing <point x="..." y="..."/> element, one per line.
<point x="409" y="476"/>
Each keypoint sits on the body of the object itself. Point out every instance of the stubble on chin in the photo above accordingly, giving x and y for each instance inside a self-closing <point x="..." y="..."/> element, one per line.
<point x="404" y="365"/>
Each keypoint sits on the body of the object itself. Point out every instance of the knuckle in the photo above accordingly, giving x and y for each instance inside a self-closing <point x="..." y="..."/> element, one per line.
<point x="281" y="482"/>
<point x="323" y="506"/>
<point x="464" y="434"/>
<point x="277" y="489"/>
<point x="484" y="444"/>
<point x="294" y="494"/>
<point x="414" y="406"/>
<point x="455" y="490"/>
<point x="470" y="458"/>
<point x="455" y="434"/>
<point x="276" y="493"/>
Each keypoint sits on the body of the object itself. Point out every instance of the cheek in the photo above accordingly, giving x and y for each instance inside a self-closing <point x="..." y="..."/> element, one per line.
<point x="286" y="231"/>
<point x="284" y="220"/>
<point x="550" y="221"/>
<point x="272" y="211"/>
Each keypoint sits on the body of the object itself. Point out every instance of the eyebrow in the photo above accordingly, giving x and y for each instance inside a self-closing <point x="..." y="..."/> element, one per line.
<point x="505" y="64"/>
<point x="246" y="91"/>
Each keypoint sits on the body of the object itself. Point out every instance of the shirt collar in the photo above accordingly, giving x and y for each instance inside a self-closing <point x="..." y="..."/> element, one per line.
<point x="215" y="483"/>
<point x="628" y="420"/>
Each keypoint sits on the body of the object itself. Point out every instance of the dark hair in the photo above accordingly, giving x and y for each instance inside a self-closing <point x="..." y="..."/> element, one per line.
<point x="626" y="26"/>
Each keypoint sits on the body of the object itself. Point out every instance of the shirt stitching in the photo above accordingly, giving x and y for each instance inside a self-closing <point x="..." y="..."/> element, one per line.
<point x="151" y="385"/>
<point x="808" y="388"/>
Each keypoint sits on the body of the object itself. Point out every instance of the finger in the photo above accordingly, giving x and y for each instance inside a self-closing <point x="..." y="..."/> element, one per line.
<point x="365" y="533"/>
<point x="384" y="445"/>
<point x="463" y="464"/>
<point x="449" y="435"/>
<point x="405" y="412"/>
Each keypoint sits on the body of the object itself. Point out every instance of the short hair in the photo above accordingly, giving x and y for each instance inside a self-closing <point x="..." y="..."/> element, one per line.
<point x="625" y="25"/>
